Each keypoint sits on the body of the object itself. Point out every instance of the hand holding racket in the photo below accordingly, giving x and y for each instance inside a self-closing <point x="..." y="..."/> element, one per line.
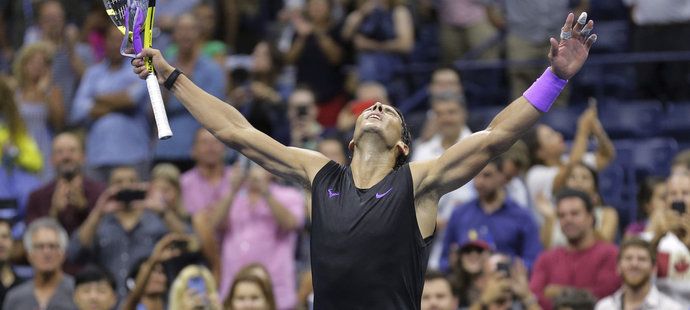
<point x="134" y="18"/>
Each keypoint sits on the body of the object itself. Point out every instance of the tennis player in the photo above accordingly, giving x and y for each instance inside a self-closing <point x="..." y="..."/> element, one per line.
<point x="372" y="221"/>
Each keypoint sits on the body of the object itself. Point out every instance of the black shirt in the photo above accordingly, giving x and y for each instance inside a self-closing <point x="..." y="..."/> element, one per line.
<point x="367" y="251"/>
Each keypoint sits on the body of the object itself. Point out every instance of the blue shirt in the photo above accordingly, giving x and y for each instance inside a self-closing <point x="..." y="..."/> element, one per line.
<point x="117" y="138"/>
<point x="513" y="229"/>
<point x="209" y="76"/>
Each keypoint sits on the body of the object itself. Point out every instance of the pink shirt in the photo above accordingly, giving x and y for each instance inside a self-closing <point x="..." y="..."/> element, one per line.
<point x="253" y="235"/>
<point x="198" y="193"/>
<point x="593" y="269"/>
<point x="461" y="13"/>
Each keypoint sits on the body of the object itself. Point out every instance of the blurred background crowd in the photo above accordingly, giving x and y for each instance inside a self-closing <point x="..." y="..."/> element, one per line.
<point x="96" y="213"/>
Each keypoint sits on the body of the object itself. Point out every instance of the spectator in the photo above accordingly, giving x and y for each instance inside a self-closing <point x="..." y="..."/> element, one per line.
<point x="168" y="14"/>
<point x="165" y="188"/>
<point x="366" y="95"/>
<point x="246" y="23"/>
<point x="657" y="24"/>
<point x="212" y="49"/>
<point x="524" y="43"/>
<point x="46" y="242"/>
<point x="147" y="280"/>
<point x="513" y="229"/>
<point x="112" y="104"/>
<point x="317" y="52"/>
<point x="194" y="288"/>
<point x="21" y="157"/>
<point x="582" y="178"/>
<point x="515" y="164"/>
<point x="445" y="86"/>
<point x="504" y="286"/>
<point x="585" y="262"/>
<point x="333" y="149"/>
<point x="122" y="228"/>
<point x="39" y="99"/>
<point x="547" y="148"/>
<point x="206" y="183"/>
<point x="651" y="196"/>
<point x="681" y="163"/>
<point x="465" y="27"/>
<point x="203" y="71"/>
<point x="256" y="92"/>
<point x="250" y="292"/>
<point x="670" y="227"/>
<point x="10" y="279"/>
<point x="94" y="289"/>
<point x="305" y="131"/>
<point x="382" y="34"/>
<point x="71" y="195"/>
<point x="636" y="261"/>
<point x="467" y="264"/>
<point x="71" y="57"/>
<point x="448" y="117"/>
<point x="438" y="293"/>
<point x="259" y="220"/>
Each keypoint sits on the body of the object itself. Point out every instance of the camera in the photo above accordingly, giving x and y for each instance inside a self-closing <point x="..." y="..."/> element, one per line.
<point x="503" y="267"/>
<point x="197" y="284"/>
<point x="128" y="195"/>
<point x="302" y="111"/>
<point x="678" y="206"/>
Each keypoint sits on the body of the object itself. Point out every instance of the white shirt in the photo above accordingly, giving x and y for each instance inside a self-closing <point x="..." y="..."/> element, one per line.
<point x="673" y="277"/>
<point x="654" y="300"/>
<point x="659" y="12"/>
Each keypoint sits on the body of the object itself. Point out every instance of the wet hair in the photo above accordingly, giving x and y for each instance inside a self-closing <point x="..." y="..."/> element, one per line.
<point x="94" y="273"/>
<point x="573" y="193"/>
<point x="406" y="137"/>
<point x="637" y="243"/>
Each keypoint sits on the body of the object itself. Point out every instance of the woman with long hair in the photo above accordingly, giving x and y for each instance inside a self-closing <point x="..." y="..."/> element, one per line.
<point x="193" y="288"/>
<point x="39" y="100"/>
<point x="250" y="292"/>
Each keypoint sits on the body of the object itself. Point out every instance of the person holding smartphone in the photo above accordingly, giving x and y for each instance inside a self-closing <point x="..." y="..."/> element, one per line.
<point x="123" y="227"/>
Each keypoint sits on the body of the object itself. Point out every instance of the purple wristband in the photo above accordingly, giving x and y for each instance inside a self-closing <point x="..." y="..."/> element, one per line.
<point x="545" y="90"/>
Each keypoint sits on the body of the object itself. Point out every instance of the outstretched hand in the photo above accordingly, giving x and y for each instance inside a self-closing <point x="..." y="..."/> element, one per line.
<point x="569" y="54"/>
<point x="161" y="66"/>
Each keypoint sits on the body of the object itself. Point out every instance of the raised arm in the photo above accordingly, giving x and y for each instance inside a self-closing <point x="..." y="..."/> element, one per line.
<point x="462" y="161"/>
<point x="228" y="125"/>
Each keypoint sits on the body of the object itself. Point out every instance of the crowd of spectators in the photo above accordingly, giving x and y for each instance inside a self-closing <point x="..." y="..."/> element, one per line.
<point x="95" y="213"/>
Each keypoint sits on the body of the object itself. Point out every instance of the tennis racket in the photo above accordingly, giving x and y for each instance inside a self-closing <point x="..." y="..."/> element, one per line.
<point x="134" y="18"/>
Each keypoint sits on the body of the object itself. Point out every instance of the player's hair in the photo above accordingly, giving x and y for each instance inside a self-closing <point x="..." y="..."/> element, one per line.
<point x="406" y="137"/>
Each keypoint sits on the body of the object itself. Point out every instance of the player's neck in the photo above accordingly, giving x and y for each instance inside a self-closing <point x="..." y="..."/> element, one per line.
<point x="370" y="164"/>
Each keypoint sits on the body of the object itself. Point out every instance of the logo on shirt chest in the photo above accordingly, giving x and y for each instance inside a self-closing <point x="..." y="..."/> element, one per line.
<point x="332" y="193"/>
<point x="379" y="195"/>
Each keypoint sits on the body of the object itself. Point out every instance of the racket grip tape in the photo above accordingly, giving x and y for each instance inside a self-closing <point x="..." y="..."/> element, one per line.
<point x="164" y="131"/>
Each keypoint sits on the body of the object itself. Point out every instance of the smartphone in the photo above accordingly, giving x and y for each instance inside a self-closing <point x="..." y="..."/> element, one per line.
<point x="198" y="284"/>
<point x="503" y="267"/>
<point x="678" y="206"/>
<point x="128" y="195"/>
<point x="180" y="244"/>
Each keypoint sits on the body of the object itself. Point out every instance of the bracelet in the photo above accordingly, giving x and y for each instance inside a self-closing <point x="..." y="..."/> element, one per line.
<point x="170" y="81"/>
<point x="545" y="90"/>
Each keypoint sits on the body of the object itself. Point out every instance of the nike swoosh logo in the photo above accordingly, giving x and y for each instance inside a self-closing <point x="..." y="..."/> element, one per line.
<point x="331" y="193"/>
<point x="379" y="196"/>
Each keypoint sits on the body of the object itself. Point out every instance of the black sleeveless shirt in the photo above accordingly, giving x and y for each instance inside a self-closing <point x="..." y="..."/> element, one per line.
<point x="366" y="248"/>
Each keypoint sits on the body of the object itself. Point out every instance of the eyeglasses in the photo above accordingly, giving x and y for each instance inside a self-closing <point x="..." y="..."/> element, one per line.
<point x="46" y="246"/>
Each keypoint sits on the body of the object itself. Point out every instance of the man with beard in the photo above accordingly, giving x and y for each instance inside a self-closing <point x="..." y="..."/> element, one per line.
<point x="585" y="262"/>
<point x="636" y="266"/>
<point x="71" y="195"/>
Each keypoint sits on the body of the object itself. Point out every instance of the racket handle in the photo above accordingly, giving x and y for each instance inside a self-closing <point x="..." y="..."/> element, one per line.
<point x="159" y="115"/>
